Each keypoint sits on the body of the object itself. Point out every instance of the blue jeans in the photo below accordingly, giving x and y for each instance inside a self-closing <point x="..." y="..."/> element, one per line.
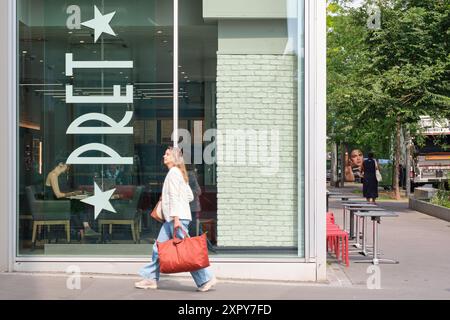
<point x="151" y="271"/>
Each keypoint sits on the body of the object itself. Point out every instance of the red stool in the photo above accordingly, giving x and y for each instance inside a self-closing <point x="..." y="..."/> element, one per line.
<point x="331" y="238"/>
<point x="330" y="217"/>
<point x="336" y="237"/>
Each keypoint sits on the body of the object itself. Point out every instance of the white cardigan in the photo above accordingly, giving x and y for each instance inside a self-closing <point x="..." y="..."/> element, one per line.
<point x="176" y="195"/>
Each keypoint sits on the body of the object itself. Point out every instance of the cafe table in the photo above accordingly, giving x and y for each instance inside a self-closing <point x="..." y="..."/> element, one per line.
<point x="341" y="196"/>
<point x="332" y="194"/>
<point x="362" y="230"/>
<point x="351" y="207"/>
<point x="376" y="216"/>
<point x="85" y="196"/>
<point x="79" y="197"/>
<point x="345" y="197"/>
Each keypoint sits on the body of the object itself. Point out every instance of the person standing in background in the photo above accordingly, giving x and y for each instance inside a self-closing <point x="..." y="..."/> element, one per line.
<point x="370" y="182"/>
<point x="195" y="205"/>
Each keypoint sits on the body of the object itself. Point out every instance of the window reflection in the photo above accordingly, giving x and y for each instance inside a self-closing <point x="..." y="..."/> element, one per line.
<point x="49" y="220"/>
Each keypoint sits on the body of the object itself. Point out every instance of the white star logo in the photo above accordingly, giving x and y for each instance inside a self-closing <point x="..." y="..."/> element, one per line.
<point x="100" y="200"/>
<point x="100" y="23"/>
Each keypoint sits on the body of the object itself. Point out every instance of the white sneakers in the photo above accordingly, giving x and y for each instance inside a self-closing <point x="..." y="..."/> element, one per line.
<point x="146" y="284"/>
<point x="209" y="285"/>
<point x="152" y="284"/>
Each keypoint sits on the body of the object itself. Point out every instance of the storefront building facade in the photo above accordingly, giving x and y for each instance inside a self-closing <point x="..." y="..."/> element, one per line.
<point x="95" y="91"/>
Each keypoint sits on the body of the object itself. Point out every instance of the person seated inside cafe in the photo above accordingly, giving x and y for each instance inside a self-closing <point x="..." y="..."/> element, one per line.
<point x="53" y="192"/>
<point x="115" y="172"/>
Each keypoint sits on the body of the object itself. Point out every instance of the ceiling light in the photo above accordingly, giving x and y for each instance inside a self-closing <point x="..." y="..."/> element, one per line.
<point x="24" y="52"/>
<point x="159" y="32"/>
<point x="81" y="41"/>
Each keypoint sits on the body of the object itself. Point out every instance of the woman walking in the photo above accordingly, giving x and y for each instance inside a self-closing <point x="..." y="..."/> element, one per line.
<point x="176" y="195"/>
<point x="370" y="183"/>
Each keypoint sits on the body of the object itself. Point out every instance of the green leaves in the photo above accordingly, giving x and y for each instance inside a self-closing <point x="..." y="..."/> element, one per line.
<point x="396" y="73"/>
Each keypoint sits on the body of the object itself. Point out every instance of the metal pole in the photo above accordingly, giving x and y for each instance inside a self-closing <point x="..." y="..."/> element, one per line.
<point x="343" y="216"/>
<point x="375" y="241"/>
<point x="364" y="237"/>
<point x="357" y="245"/>
<point x="175" y="73"/>
<point x="352" y="224"/>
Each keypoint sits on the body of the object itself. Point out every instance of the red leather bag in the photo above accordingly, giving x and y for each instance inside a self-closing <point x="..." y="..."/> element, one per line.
<point x="183" y="255"/>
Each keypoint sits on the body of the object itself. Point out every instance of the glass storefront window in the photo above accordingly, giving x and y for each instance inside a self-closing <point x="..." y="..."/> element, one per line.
<point x="96" y="115"/>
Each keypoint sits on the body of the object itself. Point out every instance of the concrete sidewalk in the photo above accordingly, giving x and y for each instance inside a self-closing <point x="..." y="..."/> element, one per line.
<point x="96" y="287"/>
<point x="418" y="241"/>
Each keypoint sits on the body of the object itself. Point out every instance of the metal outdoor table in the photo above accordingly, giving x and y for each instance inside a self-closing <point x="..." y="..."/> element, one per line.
<point x="352" y="207"/>
<point x="341" y="196"/>
<point x="376" y="218"/>
<point x="363" y="227"/>
<point x="79" y="197"/>
<point x="332" y="194"/>
<point x="345" y="197"/>
<point x="356" y="201"/>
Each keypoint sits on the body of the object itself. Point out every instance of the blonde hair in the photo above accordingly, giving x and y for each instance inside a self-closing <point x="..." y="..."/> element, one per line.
<point x="178" y="160"/>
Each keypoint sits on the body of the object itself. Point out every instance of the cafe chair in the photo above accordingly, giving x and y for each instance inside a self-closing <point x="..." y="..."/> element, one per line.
<point x="48" y="213"/>
<point x="337" y="239"/>
<point x="128" y="213"/>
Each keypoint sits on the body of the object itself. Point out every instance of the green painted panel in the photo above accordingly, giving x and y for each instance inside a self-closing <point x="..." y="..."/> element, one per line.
<point x="237" y="9"/>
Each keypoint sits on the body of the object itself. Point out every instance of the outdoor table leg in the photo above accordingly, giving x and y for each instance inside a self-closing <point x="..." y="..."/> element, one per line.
<point x="344" y="213"/>
<point x="357" y="244"/>
<point x="375" y="259"/>
<point x="375" y="242"/>
<point x="375" y="246"/>
<point x="364" y="232"/>
<point x="352" y="225"/>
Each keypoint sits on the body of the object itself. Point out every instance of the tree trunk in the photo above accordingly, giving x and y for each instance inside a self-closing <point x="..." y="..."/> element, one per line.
<point x="342" y="164"/>
<point x="333" y="170"/>
<point x="397" y="153"/>
<point x="408" y="163"/>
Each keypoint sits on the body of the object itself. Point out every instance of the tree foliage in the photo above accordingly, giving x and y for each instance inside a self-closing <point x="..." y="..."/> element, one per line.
<point x="384" y="79"/>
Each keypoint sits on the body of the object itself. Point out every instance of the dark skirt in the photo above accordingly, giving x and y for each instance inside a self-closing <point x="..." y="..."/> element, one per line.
<point x="370" y="187"/>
